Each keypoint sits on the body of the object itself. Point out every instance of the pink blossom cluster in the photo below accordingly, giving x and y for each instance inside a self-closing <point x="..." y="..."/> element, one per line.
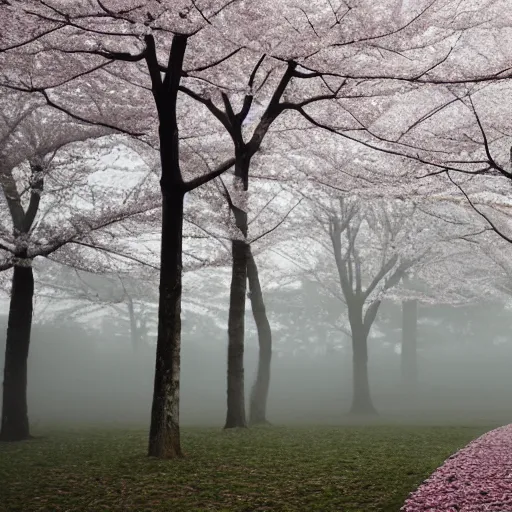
<point x="478" y="478"/>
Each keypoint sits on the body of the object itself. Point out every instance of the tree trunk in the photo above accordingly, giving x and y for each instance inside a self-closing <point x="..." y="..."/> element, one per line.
<point x="15" y="426"/>
<point x="235" y="416"/>
<point x="164" y="435"/>
<point x="164" y="431"/>
<point x="409" y="342"/>
<point x="361" y="398"/>
<point x="134" y="331"/>
<point x="259" y="392"/>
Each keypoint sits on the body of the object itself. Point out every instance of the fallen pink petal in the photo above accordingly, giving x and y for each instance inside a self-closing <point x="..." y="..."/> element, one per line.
<point x="478" y="478"/>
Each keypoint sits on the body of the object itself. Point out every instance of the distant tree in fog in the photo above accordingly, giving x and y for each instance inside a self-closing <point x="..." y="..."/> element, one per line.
<point x="372" y="244"/>
<point x="129" y="297"/>
<point x="366" y="245"/>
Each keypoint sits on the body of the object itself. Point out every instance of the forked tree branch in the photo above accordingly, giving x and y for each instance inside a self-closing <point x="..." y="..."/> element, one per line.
<point x="480" y="213"/>
<point x="201" y="180"/>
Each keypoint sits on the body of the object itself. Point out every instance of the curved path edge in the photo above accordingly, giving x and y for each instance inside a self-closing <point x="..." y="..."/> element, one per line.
<point x="477" y="478"/>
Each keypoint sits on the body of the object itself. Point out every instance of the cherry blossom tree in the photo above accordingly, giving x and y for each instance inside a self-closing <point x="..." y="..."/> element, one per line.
<point x="373" y="244"/>
<point x="87" y="58"/>
<point x="245" y="147"/>
<point x="69" y="32"/>
<point x="454" y="274"/>
<point x="49" y="204"/>
<point x="268" y="235"/>
<point x="305" y="79"/>
<point x="268" y="213"/>
<point x="362" y="302"/>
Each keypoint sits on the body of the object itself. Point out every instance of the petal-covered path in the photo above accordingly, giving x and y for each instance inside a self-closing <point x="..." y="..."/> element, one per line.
<point x="478" y="478"/>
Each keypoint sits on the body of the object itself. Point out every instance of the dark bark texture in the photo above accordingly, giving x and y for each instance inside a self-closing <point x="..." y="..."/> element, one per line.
<point x="15" y="425"/>
<point x="164" y="432"/>
<point x="164" y="435"/>
<point x="244" y="151"/>
<point x="260" y="389"/>
<point x="235" y="416"/>
<point x="409" y="344"/>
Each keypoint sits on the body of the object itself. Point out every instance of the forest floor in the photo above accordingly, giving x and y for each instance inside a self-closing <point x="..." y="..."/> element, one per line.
<point x="349" y="469"/>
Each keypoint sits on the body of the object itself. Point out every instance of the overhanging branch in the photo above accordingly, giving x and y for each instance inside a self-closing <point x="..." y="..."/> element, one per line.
<point x="481" y="214"/>
<point x="201" y="180"/>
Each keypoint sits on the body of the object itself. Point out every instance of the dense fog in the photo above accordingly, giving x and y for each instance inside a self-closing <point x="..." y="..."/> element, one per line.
<point x="82" y="373"/>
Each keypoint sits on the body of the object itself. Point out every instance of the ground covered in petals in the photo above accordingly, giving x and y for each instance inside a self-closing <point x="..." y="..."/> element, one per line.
<point x="478" y="478"/>
<point x="349" y="469"/>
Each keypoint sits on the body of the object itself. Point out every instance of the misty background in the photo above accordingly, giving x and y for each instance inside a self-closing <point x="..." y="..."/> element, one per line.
<point x="85" y="368"/>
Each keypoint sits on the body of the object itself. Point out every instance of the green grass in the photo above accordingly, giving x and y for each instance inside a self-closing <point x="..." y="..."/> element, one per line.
<point x="348" y="469"/>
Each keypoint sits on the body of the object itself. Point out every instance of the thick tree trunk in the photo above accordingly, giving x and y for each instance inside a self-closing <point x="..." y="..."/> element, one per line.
<point x="164" y="436"/>
<point x="361" y="398"/>
<point x="15" y="425"/>
<point x="409" y="342"/>
<point x="259" y="392"/>
<point x="164" y="431"/>
<point x="235" y="416"/>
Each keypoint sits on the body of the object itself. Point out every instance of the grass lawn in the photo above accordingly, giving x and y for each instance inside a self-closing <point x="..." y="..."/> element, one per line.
<point x="345" y="469"/>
